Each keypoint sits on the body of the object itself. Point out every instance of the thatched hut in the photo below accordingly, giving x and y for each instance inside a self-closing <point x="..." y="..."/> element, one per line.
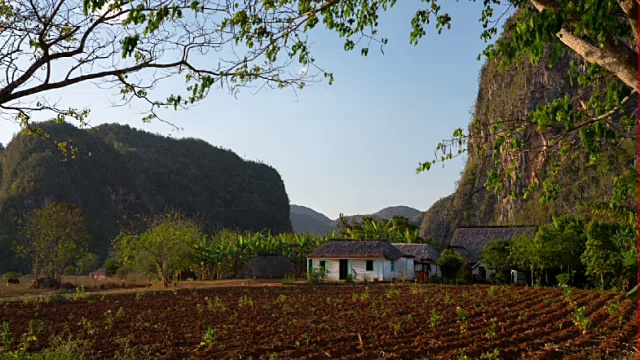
<point x="267" y="267"/>
<point x="470" y="241"/>
<point x="425" y="262"/>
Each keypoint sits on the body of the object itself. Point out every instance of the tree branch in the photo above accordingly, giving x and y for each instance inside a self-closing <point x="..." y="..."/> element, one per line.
<point x="613" y="56"/>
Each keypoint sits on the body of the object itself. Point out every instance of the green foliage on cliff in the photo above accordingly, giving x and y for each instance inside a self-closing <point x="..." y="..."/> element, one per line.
<point x="119" y="172"/>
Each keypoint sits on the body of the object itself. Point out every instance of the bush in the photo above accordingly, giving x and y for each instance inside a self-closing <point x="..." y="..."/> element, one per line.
<point x="563" y="279"/>
<point x="11" y="275"/>
<point x="464" y="276"/>
<point x="111" y="267"/>
<point x="315" y="276"/>
<point x="500" y="277"/>
<point x="349" y="279"/>
<point x="450" y="264"/>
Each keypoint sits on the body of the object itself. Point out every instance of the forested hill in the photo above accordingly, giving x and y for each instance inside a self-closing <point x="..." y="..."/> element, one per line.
<point x="509" y="96"/>
<point x="120" y="172"/>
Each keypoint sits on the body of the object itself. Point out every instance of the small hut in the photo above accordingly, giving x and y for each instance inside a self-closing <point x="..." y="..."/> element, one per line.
<point x="267" y="267"/>
<point x="100" y="274"/>
<point x="425" y="262"/>
<point x="470" y="241"/>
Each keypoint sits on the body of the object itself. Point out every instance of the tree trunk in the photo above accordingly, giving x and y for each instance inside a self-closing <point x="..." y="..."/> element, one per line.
<point x="546" y="276"/>
<point x="602" y="279"/>
<point x="165" y="278"/>
<point x="35" y="273"/>
<point x="533" y="276"/>
<point x="164" y="273"/>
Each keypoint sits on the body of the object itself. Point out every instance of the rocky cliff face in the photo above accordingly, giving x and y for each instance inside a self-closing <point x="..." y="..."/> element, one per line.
<point x="506" y="96"/>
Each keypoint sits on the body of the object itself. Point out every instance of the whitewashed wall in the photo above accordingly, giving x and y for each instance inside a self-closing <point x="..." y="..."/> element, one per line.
<point x="333" y="266"/>
<point x="359" y="265"/>
<point x="402" y="266"/>
<point x="435" y="270"/>
<point x="410" y="268"/>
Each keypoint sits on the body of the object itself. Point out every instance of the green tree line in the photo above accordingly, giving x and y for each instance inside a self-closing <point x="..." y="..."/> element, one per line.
<point x="596" y="253"/>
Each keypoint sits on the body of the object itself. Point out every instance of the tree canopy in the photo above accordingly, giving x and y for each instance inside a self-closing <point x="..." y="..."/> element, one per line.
<point x="496" y="256"/>
<point x="53" y="236"/>
<point x="164" y="249"/>
<point x="396" y="229"/>
<point x="135" y="45"/>
<point x="451" y="263"/>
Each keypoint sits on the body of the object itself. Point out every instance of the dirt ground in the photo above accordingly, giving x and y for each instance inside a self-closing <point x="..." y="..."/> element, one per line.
<point x="266" y="320"/>
<point x="24" y="290"/>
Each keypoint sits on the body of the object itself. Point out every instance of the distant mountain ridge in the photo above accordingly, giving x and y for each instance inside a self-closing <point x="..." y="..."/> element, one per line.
<point x="304" y="219"/>
<point x="414" y="215"/>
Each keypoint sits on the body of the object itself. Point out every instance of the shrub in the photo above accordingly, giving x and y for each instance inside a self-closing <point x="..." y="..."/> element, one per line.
<point x="500" y="277"/>
<point x="315" y="276"/>
<point x="349" y="279"/>
<point x="111" y="267"/>
<point x="464" y="276"/>
<point x="10" y="275"/>
<point x="450" y="264"/>
<point x="563" y="279"/>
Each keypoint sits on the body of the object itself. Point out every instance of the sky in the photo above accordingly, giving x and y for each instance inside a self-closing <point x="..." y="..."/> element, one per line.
<point x="351" y="147"/>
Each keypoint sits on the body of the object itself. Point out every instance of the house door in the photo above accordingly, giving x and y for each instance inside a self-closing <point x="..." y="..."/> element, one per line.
<point x="344" y="269"/>
<point x="482" y="273"/>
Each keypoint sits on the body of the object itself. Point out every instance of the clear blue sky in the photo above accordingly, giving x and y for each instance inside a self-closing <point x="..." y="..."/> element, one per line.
<point x="352" y="147"/>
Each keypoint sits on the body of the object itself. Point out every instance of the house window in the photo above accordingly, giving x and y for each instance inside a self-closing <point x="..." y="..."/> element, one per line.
<point x="323" y="264"/>
<point x="393" y="265"/>
<point x="310" y="264"/>
<point x="369" y="265"/>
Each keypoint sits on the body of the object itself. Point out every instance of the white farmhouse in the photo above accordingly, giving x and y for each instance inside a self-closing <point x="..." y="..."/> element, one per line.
<point x="363" y="259"/>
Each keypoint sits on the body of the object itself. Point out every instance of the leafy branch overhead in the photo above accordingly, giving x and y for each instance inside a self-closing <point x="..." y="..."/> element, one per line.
<point x="595" y="113"/>
<point x="136" y="45"/>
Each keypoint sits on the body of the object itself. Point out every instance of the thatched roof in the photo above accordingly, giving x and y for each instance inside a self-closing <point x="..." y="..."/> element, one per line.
<point x="422" y="252"/>
<point x="470" y="241"/>
<point x="369" y="248"/>
<point x="267" y="267"/>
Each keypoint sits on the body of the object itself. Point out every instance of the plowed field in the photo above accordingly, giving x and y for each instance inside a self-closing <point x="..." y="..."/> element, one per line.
<point x="322" y="322"/>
